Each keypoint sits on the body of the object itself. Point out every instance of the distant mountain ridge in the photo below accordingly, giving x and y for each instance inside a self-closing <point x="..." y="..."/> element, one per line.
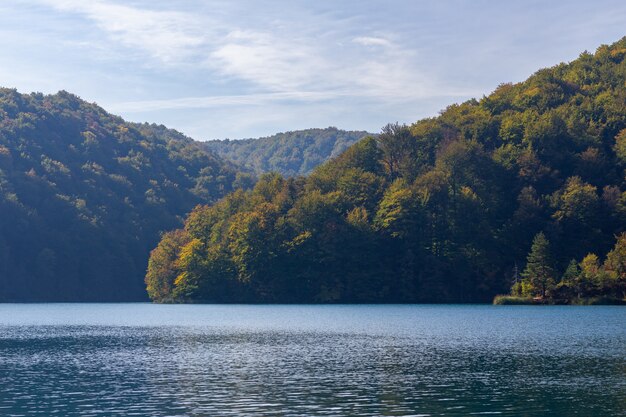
<point x="85" y="194"/>
<point x="289" y="153"/>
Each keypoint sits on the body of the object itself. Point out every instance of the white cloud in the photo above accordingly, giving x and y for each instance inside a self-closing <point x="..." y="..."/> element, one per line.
<point x="221" y="101"/>
<point x="168" y="36"/>
<point x="281" y="64"/>
<point x="290" y="61"/>
<point x="371" y="41"/>
<point x="268" y="61"/>
<point x="286" y="64"/>
<point x="256" y="100"/>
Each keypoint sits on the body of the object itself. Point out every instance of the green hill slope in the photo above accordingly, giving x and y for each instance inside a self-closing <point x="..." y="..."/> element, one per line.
<point x="289" y="153"/>
<point x="84" y="196"/>
<point x="439" y="211"/>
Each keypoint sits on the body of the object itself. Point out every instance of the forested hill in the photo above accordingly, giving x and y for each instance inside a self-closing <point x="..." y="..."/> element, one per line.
<point x="442" y="210"/>
<point x="289" y="153"/>
<point x="84" y="196"/>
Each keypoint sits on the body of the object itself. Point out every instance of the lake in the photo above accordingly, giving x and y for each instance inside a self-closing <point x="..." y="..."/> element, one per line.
<point x="293" y="360"/>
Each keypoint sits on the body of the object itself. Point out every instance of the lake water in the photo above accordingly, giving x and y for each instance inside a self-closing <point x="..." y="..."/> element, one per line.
<point x="221" y="360"/>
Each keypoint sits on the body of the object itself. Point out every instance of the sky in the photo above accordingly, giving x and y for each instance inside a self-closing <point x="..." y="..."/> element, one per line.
<point x="218" y="69"/>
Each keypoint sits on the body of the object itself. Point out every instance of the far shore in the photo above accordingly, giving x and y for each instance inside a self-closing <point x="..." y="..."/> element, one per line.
<point x="590" y="301"/>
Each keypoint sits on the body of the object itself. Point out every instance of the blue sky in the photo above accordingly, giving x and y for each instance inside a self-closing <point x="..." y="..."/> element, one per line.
<point x="218" y="69"/>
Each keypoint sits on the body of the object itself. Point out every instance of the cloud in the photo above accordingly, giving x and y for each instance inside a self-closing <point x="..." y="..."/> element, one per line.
<point x="260" y="64"/>
<point x="221" y="101"/>
<point x="168" y="36"/>
<point x="267" y="60"/>
<point x="251" y="100"/>
<point x="284" y="60"/>
<point x="371" y="41"/>
<point x="288" y="64"/>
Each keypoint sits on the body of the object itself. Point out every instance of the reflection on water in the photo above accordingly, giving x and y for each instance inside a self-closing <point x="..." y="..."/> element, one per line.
<point x="168" y="360"/>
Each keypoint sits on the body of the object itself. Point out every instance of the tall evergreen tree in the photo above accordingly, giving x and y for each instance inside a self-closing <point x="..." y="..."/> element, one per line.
<point x="539" y="273"/>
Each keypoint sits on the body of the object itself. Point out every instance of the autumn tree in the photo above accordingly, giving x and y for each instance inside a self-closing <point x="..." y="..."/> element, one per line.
<point x="615" y="265"/>
<point x="620" y="146"/>
<point x="162" y="266"/>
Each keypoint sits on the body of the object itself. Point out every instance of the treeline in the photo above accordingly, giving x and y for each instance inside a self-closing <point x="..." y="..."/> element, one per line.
<point x="84" y="196"/>
<point x="439" y="211"/>
<point x="289" y="153"/>
<point x="589" y="281"/>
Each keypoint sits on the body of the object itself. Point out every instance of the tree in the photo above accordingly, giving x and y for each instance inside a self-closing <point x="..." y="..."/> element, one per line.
<point x="615" y="265"/>
<point x="577" y="215"/>
<point x="570" y="284"/>
<point x="162" y="268"/>
<point x="191" y="263"/>
<point x="397" y="144"/>
<point x="591" y="275"/>
<point x="398" y="211"/>
<point x="254" y="244"/>
<point x="578" y="202"/>
<point x="360" y="188"/>
<point x="539" y="273"/>
<point x="616" y="259"/>
<point x="620" y="145"/>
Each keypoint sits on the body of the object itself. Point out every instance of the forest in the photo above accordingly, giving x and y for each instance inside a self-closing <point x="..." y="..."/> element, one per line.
<point x="289" y="153"/>
<point x="588" y="281"/>
<point x="527" y="179"/>
<point x="84" y="196"/>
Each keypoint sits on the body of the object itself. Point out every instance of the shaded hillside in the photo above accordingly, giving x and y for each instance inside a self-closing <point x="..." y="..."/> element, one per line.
<point x="84" y="196"/>
<point x="444" y="210"/>
<point x="289" y="153"/>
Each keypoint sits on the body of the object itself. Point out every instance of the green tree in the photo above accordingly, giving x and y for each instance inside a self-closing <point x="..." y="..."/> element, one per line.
<point x="572" y="279"/>
<point x="397" y="145"/>
<point x="591" y="275"/>
<point x="360" y="188"/>
<point x="255" y="244"/>
<point x="620" y="146"/>
<point x="538" y="276"/>
<point x="398" y="212"/>
<point x="615" y="265"/>
<point x="577" y="201"/>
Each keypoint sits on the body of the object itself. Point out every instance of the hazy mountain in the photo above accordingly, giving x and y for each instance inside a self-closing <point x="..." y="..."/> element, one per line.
<point x="289" y="153"/>
<point x="84" y="196"/>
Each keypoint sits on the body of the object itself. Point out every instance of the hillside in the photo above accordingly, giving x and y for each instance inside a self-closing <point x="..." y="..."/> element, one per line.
<point x="289" y="153"/>
<point x="84" y="196"/>
<point x="444" y="210"/>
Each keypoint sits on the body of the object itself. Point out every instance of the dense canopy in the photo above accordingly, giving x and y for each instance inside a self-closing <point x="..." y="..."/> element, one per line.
<point x="84" y="196"/>
<point x="443" y="210"/>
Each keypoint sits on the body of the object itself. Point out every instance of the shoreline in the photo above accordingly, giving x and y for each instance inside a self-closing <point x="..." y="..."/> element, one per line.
<point x="588" y="301"/>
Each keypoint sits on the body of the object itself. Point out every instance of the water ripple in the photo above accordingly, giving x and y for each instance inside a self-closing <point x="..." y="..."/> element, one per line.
<point x="311" y="360"/>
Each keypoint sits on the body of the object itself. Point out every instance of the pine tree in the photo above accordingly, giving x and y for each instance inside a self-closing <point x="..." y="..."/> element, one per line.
<point x="538" y="274"/>
<point x="571" y="279"/>
<point x="572" y="272"/>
